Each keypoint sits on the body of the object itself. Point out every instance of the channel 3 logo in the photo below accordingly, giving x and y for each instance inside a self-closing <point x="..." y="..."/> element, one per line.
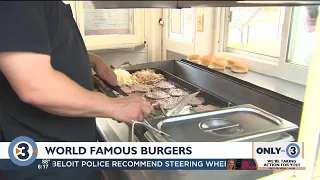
<point x="23" y="151"/>
<point x="293" y="150"/>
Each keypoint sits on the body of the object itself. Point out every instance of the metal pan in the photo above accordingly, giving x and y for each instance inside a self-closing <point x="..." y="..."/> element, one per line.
<point x="238" y="123"/>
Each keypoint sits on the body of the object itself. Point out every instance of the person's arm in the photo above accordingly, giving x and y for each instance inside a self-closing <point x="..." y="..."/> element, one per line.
<point x="25" y="63"/>
<point x="102" y="69"/>
<point x="37" y="83"/>
<point x="93" y="59"/>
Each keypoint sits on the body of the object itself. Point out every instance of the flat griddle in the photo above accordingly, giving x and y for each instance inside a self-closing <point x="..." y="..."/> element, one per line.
<point x="210" y="98"/>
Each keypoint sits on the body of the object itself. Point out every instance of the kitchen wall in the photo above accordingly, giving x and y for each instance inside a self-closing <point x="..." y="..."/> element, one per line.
<point x="203" y="42"/>
<point x="118" y="57"/>
<point x="152" y="50"/>
<point x="153" y="34"/>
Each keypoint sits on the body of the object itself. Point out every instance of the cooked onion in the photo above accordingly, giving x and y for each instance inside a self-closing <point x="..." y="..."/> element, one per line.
<point x="147" y="76"/>
<point x="123" y="77"/>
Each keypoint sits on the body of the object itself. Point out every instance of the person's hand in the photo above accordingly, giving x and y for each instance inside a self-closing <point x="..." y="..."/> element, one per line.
<point x="130" y="108"/>
<point x="104" y="71"/>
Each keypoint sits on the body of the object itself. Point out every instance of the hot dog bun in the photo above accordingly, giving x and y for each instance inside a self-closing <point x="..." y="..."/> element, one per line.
<point x="239" y="68"/>
<point x="206" y="60"/>
<point x="231" y="62"/>
<point x="218" y="65"/>
<point x="195" y="58"/>
<point x="220" y="59"/>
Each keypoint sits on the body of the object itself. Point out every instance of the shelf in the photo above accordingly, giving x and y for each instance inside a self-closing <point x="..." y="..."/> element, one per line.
<point x="115" y="48"/>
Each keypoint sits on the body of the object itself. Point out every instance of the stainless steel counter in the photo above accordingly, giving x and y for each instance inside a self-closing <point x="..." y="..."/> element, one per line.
<point x="232" y="89"/>
<point x="113" y="131"/>
<point x="219" y="84"/>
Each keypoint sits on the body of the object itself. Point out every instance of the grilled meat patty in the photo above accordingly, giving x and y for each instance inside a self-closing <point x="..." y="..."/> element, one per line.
<point x="177" y="92"/>
<point x="202" y="108"/>
<point x="164" y="85"/>
<point x="157" y="95"/>
<point x="155" y="89"/>
<point x="169" y="103"/>
<point x="141" y="88"/>
<point x="197" y="101"/>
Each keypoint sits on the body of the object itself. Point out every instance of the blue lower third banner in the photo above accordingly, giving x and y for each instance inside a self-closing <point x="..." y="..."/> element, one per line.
<point x="25" y="153"/>
<point x="133" y="164"/>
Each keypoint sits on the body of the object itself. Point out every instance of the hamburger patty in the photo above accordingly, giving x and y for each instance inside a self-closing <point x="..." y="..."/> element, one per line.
<point x="197" y="101"/>
<point x="155" y="89"/>
<point x="177" y="92"/>
<point x="202" y="108"/>
<point x="157" y="95"/>
<point x="169" y="103"/>
<point x="141" y="88"/>
<point x="164" y="85"/>
<point x="126" y="89"/>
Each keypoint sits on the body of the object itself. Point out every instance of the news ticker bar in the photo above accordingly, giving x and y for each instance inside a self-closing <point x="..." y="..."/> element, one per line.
<point x="156" y="164"/>
<point x="24" y="152"/>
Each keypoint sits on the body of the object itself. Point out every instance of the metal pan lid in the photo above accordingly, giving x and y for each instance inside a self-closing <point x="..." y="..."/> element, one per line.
<point x="236" y="123"/>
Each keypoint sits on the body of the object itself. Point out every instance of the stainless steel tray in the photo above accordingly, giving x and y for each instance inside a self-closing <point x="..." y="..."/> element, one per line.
<point x="238" y="123"/>
<point x="279" y="137"/>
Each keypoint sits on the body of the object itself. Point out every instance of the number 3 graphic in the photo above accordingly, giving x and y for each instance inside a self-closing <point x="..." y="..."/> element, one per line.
<point x="293" y="150"/>
<point x="24" y="152"/>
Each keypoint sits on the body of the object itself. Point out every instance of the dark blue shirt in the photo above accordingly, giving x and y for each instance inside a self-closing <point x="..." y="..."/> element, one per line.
<point x="45" y="27"/>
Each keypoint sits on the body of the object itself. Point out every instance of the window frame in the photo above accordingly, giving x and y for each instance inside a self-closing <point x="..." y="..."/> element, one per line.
<point x="272" y="66"/>
<point x="112" y="41"/>
<point x="179" y="37"/>
<point x="178" y="45"/>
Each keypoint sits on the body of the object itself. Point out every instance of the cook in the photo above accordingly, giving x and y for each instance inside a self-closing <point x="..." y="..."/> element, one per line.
<point x="46" y="82"/>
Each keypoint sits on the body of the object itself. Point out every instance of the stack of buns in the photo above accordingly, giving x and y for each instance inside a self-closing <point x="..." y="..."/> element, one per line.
<point x="195" y="58"/>
<point x="206" y="60"/>
<point x="219" y="63"/>
<point x="239" y="68"/>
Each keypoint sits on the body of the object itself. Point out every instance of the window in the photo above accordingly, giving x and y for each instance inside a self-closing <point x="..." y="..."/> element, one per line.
<point x="256" y="30"/>
<point x="109" y="28"/>
<point x="302" y="35"/>
<point x="107" y="21"/>
<point x="181" y="24"/>
<point x="277" y="41"/>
